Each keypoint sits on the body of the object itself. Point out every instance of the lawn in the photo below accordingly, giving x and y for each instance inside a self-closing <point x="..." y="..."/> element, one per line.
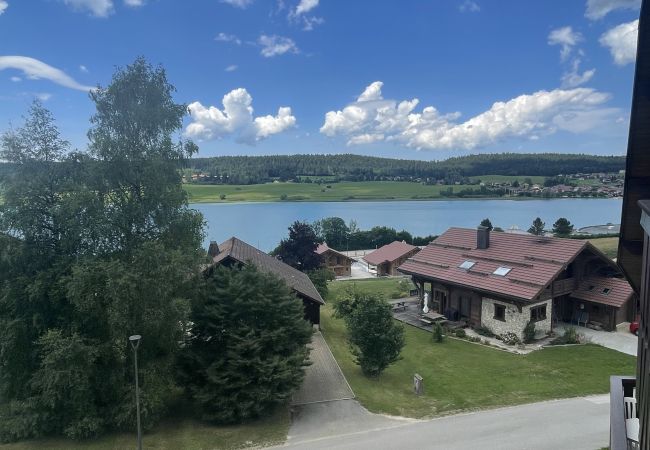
<point x="388" y="287"/>
<point x="344" y="191"/>
<point x="608" y="245"/>
<point x="461" y="376"/>
<point x="185" y="434"/>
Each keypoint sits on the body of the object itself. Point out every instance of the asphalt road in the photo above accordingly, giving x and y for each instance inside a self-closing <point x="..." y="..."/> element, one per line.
<point x="572" y="424"/>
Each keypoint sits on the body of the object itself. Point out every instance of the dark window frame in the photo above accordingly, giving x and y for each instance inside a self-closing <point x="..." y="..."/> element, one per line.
<point x="538" y="313"/>
<point x="499" y="312"/>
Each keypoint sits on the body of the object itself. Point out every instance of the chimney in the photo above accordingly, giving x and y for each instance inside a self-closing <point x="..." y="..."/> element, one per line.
<point x="213" y="250"/>
<point x="482" y="237"/>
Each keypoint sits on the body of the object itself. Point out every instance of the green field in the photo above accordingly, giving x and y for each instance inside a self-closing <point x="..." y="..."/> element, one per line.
<point x="184" y="434"/>
<point x="461" y="376"/>
<point x="608" y="245"/>
<point x="508" y="178"/>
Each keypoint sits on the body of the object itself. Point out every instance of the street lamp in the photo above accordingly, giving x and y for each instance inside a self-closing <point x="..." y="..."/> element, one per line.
<point x="135" y="343"/>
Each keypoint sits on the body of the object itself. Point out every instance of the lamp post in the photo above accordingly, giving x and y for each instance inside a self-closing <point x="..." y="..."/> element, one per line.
<point x="135" y="343"/>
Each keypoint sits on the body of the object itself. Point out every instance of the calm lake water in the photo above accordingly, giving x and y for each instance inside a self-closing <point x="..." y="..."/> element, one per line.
<point x="264" y="224"/>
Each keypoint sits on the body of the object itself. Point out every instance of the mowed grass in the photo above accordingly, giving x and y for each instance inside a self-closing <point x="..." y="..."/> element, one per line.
<point x="182" y="434"/>
<point x="344" y="191"/>
<point x="461" y="376"/>
<point x="608" y="245"/>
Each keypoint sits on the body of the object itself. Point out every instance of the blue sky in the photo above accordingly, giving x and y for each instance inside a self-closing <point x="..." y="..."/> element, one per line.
<point x="422" y="79"/>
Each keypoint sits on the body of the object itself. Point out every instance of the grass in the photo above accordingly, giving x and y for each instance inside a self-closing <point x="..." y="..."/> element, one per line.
<point x="185" y="434"/>
<point x="508" y="178"/>
<point x="608" y="245"/>
<point x="344" y="191"/>
<point x="460" y="376"/>
<point x="387" y="287"/>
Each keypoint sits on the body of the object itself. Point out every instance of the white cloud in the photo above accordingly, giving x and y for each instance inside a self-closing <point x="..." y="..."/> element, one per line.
<point x="134" y="3"/>
<point x="305" y="6"/>
<point x="16" y="79"/>
<point x="35" y="69"/>
<point x="373" y="119"/>
<point x="597" y="9"/>
<point x="97" y="8"/>
<point x="3" y="5"/>
<point x="83" y="68"/>
<point x="43" y="96"/>
<point x="236" y="119"/>
<point x="276" y="45"/>
<point x="243" y="4"/>
<point x="621" y="41"/>
<point x="231" y="68"/>
<point x="469" y="6"/>
<point x="573" y="78"/>
<point x="566" y="38"/>
<point x="224" y="37"/>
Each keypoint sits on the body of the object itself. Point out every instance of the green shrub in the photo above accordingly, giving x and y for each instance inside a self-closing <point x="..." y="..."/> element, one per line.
<point x="283" y="197"/>
<point x="475" y="339"/>
<point x="484" y="331"/>
<point x="461" y="333"/>
<point x="570" y="336"/>
<point x="222" y="196"/>
<point x="529" y="332"/>
<point x="510" y="338"/>
<point x="438" y="335"/>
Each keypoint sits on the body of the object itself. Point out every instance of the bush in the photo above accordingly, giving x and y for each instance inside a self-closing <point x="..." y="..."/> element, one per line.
<point x="570" y="336"/>
<point x="510" y="338"/>
<point x="461" y="333"/>
<point x="529" y="332"/>
<point x="474" y="339"/>
<point x="438" y="334"/>
<point x="222" y="196"/>
<point x="484" y="331"/>
<point x="283" y="197"/>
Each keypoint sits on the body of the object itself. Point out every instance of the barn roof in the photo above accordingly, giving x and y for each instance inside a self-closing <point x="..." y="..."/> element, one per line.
<point x="245" y="253"/>
<point x="528" y="263"/>
<point x="389" y="252"/>
<point x="607" y="291"/>
<point x="324" y="248"/>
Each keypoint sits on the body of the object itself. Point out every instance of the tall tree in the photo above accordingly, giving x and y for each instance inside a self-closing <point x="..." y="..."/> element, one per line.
<point x="247" y="346"/>
<point x="562" y="227"/>
<point x="299" y="249"/>
<point x="486" y="223"/>
<point x="537" y="228"/>
<point x="334" y="231"/>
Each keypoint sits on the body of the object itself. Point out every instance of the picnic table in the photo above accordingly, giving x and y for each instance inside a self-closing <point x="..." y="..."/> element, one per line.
<point x="397" y="304"/>
<point x="431" y="317"/>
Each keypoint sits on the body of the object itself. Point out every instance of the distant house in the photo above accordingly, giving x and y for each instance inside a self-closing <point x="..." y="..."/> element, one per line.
<point x="235" y="252"/>
<point x="503" y="281"/>
<point x="386" y="259"/>
<point x="334" y="260"/>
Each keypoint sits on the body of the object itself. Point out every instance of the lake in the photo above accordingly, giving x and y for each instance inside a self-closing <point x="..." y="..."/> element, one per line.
<point x="264" y="224"/>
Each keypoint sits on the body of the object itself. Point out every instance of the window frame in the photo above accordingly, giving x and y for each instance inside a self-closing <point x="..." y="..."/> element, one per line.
<point x="537" y="317"/>
<point x="502" y="308"/>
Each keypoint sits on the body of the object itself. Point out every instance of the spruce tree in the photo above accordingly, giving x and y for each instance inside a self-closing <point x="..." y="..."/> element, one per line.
<point x="537" y="228"/>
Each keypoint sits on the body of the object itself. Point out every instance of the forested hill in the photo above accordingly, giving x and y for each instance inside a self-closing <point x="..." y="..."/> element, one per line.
<point x="257" y="169"/>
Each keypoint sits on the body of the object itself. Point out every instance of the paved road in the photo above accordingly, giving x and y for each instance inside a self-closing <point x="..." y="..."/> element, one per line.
<point x="573" y="424"/>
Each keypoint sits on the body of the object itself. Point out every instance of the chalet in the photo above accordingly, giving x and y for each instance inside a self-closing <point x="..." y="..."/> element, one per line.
<point x="502" y="281"/>
<point x="386" y="259"/>
<point x="336" y="261"/>
<point x="237" y="252"/>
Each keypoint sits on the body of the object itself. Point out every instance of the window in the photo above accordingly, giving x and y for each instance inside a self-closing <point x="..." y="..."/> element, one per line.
<point x="467" y="265"/>
<point x="606" y="291"/>
<point x="500" y="312"/>
<point x="502" y="271"/>
<point x="538" y="313"/>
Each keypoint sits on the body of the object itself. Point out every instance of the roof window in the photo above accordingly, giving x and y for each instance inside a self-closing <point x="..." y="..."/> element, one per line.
<point x="606" y="291"/>
<point x="467" y="264"/>
<point x="502" y="271"/>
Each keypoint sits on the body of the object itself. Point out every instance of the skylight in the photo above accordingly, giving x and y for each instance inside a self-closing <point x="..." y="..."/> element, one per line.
<point x="606" y="291"/>
<point x="467" y="264"/>
<point x="502" y="271"/>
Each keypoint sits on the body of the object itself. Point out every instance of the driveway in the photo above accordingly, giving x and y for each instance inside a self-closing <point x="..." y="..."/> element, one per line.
<point x="621" y="340"/>
<point x="576" y="424"/>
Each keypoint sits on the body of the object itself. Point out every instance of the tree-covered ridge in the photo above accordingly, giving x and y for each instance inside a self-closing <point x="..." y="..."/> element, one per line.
<point x="258" y="169"/>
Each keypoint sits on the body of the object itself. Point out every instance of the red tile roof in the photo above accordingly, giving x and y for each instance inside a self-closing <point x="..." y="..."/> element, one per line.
<point x="534" y="261"/>
<point x="389" y="252"/>
<point x="323" y="248"/>
<point x="592" y="289"/>
<point x="245" y="253"/>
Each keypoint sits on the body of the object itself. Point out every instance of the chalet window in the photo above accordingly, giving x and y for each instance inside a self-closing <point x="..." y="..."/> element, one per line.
<point x="606" y="291"/>
<point x="538" y="313"/>
<point x="500" y="312"/>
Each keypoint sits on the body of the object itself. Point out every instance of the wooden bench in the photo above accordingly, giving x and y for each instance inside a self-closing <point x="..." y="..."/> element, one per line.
<point x="426" y="321"/>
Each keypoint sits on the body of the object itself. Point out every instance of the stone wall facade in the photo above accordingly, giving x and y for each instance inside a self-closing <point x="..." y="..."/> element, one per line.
<point x="515" y="321"/>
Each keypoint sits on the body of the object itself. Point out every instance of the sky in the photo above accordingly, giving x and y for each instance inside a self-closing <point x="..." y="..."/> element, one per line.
<point x="411" y="79"/>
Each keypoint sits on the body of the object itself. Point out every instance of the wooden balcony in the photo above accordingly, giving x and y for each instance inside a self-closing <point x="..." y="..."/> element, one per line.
<point x="620" y="387"/>
<point x="563" y="287"/>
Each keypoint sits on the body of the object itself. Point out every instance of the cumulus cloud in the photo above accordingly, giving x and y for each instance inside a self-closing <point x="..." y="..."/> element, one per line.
<point x="597" y="9"/>
<point x="35" y="69"/>
<point x="97" y="8"/>
<point x="3" y="5"/>
<point x="299" y="14"/>
<point x="566" y="38"/>
<point x="225" y="37"/>
<point x="243" y="4"/>
<point x="276" y="45"/>
<point x="236" y="120"/>
<point x="621" y="42"/>
<point x="374" y="119"/>
<point x="469" y="6"/>
<point x="305" y="6"/>
<point x="574" y="78"/>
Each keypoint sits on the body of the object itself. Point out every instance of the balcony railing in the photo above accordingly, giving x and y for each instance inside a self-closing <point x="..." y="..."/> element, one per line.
<point x="620" y="387"/>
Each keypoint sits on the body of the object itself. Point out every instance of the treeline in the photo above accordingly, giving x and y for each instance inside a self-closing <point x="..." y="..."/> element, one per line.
<point x="348" y="167"/>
